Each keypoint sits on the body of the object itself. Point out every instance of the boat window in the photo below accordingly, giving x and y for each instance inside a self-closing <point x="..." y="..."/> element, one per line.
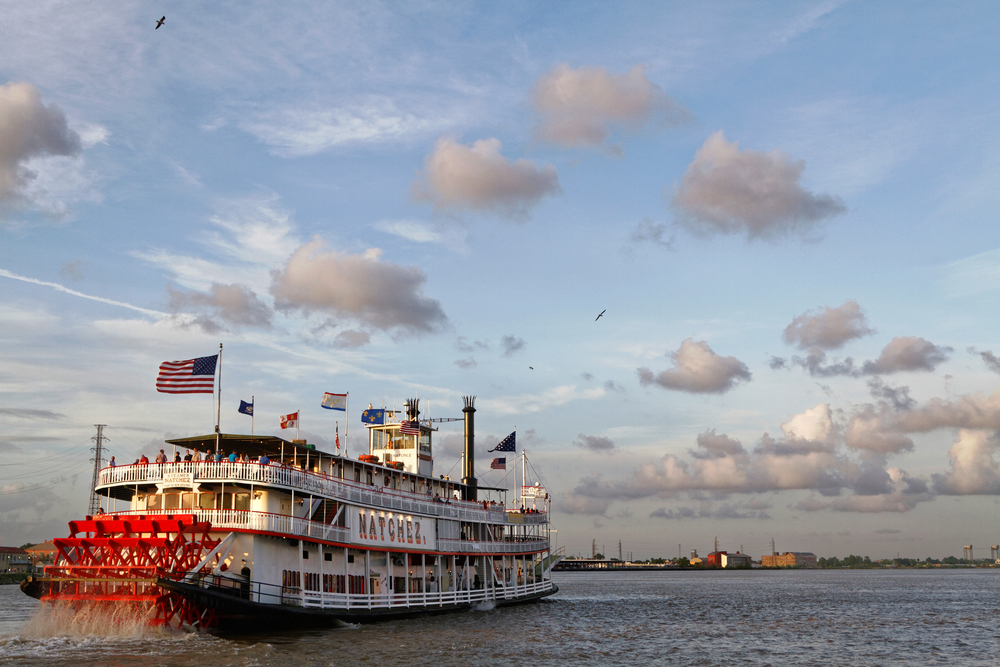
<point x="241" y="501"/>
<point x="378" y="439"/>
<point x="171" y="501"/>
<point x="225" y="500"/>
<point x="187" y="501"/>
<point x="369" y="476"/>
<point x="413" y="485"/>
<point x="154" y="502"/>
<point x="425" y="442"/>
<point x="357" y="474"/>
<point x="206" y="501"/>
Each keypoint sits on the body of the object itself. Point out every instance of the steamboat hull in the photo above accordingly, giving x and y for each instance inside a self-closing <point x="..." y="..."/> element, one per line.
<point x="232" y="612"/>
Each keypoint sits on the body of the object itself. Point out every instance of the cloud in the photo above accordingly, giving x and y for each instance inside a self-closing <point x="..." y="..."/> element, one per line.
<point x="974" y="468"/>
<point x="571" y="503"/>
<point x="594" y="443"/>
<point x="728" y="191"/>
<point x="375" y="293"/>
<point x="829" y="329"/>
<point x="295" y="132"/>
<point x="29" y="129"/>
<point x="550" y="398"/>
<point x="458" y="177"/>
<point x="717" y="445"/>
<point x="648" y="231"/>
<point x="351" y="338"/>
<point x="466" y="363"/>
<point x="32" y="413"/>
<point x="72" y="270"/>
<point x="512" y="345"/>
<point x="723" y="512"/>
<point x="233" y="304"/>
<point x="991" y="360"/>
<point x="422" y="232"/>
<point x="578" y="108"/>
<point x="871" y="431"/>
<point x="698" y="370"/>
<point x="815" y="424"/>
<point x="907" y="353"/>
<point x="462" y="346"/>
<point x="899" y="397"/>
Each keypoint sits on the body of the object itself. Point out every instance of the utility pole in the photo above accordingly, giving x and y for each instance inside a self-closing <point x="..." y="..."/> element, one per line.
<point x="95" y="500"/>
<point x="619" y="550"/>
<point x="593" y="549"/>
<point x="773" y="552"/>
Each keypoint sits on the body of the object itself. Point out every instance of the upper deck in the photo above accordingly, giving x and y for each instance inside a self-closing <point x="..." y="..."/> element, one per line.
<point x="121" y="482"/>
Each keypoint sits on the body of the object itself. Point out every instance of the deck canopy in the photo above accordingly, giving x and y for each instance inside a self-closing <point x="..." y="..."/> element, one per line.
<point x="252" y="445"/>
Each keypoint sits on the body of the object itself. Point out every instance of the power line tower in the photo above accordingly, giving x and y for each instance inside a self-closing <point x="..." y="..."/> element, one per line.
<point x="95" y="500"/>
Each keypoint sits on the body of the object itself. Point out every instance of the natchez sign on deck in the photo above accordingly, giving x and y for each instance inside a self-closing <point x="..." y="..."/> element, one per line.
<point x="390" y="529"/>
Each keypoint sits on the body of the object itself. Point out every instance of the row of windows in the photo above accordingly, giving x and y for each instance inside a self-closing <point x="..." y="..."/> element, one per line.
<point x="205" y="501"/>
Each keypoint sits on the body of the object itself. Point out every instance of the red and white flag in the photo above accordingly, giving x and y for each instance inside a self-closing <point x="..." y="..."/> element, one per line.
<point x="290" y="421"/>
<point x="336" y="437"/>
<point x="409" y="427"/>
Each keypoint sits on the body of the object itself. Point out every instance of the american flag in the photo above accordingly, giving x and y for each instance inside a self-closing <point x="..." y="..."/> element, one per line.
<point x="193" y="376"/>
<point x="506" y="445"/>
<point x="409" y="427"/>
<point x="499" y="464"/>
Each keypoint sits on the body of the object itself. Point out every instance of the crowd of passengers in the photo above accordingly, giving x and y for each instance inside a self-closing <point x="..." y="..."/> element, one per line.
<point x="196" y="456"/>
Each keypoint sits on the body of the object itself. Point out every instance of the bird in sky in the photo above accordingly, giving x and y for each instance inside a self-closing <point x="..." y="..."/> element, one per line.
<point x="531" y="368"/>
<point x="602" y="313"/>
<point x="159" y="23"/>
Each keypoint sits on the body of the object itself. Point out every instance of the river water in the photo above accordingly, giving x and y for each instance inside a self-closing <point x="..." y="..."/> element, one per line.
<point x="790" y="617"/>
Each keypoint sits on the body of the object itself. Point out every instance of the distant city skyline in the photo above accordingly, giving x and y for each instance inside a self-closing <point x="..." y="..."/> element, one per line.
<point x="784" y="213"/>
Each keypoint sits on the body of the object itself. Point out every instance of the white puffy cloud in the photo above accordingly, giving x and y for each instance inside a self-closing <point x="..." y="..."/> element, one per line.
<point x="870" y="431"/>
<point x="907" y="353"/>
<point x="717" y="445"/>
<point x="362" y="287"/>
<point x="580" y="107"/>
<point x="477" y="177"/>
<point x="729" y="191"/>
<point x="815" y="424"/>
<point x="698" y="370"/>
<point x="974" y="468"/>
<point x="29" y="129"/>
<point x="830" y="328"/>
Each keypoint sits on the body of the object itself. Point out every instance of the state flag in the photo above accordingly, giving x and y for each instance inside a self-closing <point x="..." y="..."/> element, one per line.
<point x="246" y="408"/>
<point x="290" y="421"/>
<point x="335" y="401"/>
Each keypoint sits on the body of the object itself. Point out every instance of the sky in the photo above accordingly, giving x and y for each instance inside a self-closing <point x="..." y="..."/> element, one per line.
<point x="786" y="213"/>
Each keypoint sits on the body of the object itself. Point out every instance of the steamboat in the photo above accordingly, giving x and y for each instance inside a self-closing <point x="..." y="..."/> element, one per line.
<point x="297" y="536"/>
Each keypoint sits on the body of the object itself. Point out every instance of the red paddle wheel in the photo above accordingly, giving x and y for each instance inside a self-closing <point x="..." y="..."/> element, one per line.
<point x="114" y="563"/>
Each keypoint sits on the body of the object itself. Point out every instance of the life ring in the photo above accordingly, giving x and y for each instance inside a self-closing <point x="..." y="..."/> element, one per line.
<point x="387" y="480"/>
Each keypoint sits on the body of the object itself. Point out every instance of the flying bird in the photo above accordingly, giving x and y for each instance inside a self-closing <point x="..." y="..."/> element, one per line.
<point x="531" y="368"/>
<point x="159" y="23"/>
<point x="602" y="313"/>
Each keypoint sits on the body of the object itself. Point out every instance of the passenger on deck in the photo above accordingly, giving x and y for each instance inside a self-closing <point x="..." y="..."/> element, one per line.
<point x="161" y="457"/>
<point x="232" y="456"/>
<point x="197" y="455"/>
<point x="177" y="457"/>
<point x="143" y="461"/>
<point x="111" y="462"/>
<point x="188" y="456"/>
<point x="264" y="460"/>
<point x="437" y="498"/>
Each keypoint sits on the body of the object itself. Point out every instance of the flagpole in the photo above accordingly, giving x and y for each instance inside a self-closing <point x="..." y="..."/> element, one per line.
<point x="298" y="416"/>
<point x="252" y="398"/>
<point x="218" y="412"/>
<point x="347" y="420"/>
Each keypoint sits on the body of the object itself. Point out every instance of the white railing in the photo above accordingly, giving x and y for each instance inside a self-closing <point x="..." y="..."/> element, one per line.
<point x="475" y="547"/>
<point x="391" y="600"/>
<point x="260" y="521"/>
<point x="301" y="481"/>
<point x="299" y="527"/>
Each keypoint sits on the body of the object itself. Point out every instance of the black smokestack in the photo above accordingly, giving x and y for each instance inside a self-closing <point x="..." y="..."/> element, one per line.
<point x="471" y="489"/>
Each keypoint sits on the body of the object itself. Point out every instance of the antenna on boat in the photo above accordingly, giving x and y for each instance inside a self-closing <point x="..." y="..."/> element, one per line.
<point x="218" y="412"/>
<point x="95" y="500"/>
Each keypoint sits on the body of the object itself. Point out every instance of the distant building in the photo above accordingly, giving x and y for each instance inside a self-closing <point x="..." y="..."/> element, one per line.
<point x="735" y="560"/>
<point x="790" y="559"/>
<point x="714" y="559"/>
<point x="42" y="554"/>
<point x="14" y="559"/>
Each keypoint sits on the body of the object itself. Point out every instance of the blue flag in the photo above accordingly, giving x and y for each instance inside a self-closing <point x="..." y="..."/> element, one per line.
<point x="246" y="408"/>
<point x="373" y="416"/>
<point x="506" y="445"/>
